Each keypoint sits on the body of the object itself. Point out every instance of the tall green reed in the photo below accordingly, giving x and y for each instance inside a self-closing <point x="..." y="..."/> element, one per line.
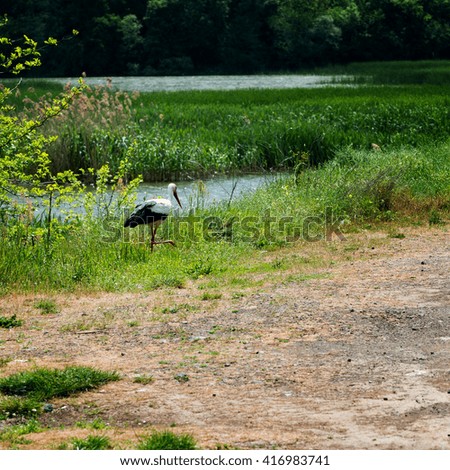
<point x="191" y="134"/>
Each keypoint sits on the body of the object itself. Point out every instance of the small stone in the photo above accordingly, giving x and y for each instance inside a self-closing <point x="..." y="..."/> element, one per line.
<point x="48" y="407"/>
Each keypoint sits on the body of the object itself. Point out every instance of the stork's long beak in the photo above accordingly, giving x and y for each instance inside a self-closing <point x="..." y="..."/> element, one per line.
<point x="176" y="197"/>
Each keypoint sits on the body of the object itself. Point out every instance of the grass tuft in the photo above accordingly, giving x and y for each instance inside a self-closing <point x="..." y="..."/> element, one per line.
<point x="10" y="322"/>
<point x="11" y="407"/>
<point x="43" y="384"/>
<point x="13" y="434"/>
<point x="167" y="440"/>
<point x="92" y="443"/>
<point x="47" y="306"/>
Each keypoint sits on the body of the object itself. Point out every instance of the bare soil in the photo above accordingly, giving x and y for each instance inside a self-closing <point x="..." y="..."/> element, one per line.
<point x="354" y="354"/>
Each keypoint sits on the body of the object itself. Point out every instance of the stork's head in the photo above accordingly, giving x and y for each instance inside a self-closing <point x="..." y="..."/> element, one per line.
<point x="173" y="190"/>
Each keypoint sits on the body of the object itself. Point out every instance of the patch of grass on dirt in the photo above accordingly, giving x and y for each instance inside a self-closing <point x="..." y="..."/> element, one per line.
<point x="96" y="423"/>
<point x="10" y="322"/>
<point x="92" y="443"/>
<point x="144" y="379"/>
<point x="11" y="407"/>
<point x="29" y="389"/>
<point x="167" y="440"/>
<point x="47" y="306"/>
<point x="13" y="434"/>
<point x="210" y="296"/>
<point x="4" y="361"/>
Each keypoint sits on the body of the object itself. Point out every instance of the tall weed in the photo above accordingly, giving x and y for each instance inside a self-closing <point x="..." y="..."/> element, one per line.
<point x="95" y="130"/>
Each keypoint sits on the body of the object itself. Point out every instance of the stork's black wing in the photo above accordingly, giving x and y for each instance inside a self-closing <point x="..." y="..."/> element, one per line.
<point x="145" y="213"/>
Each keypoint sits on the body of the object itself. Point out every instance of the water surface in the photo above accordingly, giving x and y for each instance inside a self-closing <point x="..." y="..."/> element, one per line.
<point x="209" y="191"/>
<point x="209" y="82"/>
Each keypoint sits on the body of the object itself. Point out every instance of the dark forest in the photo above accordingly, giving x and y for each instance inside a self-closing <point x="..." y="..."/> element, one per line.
<point x="188" y="37"/>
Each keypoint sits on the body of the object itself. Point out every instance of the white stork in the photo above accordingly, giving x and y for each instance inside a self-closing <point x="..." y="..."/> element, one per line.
<point x="153" y="212"/>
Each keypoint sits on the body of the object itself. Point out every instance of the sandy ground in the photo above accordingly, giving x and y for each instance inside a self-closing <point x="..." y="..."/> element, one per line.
<point x="354" y="355"/>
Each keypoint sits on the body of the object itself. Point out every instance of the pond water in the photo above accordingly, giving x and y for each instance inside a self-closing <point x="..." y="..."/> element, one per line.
<point x="210" y="82"/>
<point x="193" y="194"/>
<point x="209" y="191"/>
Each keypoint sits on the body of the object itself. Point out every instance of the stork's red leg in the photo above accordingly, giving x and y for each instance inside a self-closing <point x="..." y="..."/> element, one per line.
<point x="152" y="242"/>
<point x="162" y="242"/>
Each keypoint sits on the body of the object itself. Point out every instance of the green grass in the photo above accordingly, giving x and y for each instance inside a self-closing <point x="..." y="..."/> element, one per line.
<point x="336" y="180"/>
<point x="96" y="423"/>
<point x="14" y="435"/>
<point x="210" y="296"/>
<point x="47" y="306"/>
<point x="48" y="383"/>
<point x="356" y="186"/>
<point x="184" y="134"/>
<point x="26" y="391"/>
<point x="167" y="440"/>
<point x="144" y="379"/>
<point x="10" y="322"/>
<point x="436" y="72"/>
<point x="249" y="130"/>
<point x="92" y="443"/>
<point x="15" y="406"/>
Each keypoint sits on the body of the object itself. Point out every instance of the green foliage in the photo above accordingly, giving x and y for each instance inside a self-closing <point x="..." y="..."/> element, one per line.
<point x="92" y="443"/>
<point x="47" y="306"/>
<point x="165" y="136"/>
<point x="97" y="128"/>
<point x="10" y="322"/>
<point x="11" y="407"/>
<point x="228" y="36"/>
<point x="199" y="133"/>
<point x="97" y="423"/>
<point x="25" y="165"/>
<point x="210" y="296"/>
<point x="13" y="434"/>
<point x="144" y="379"/>
<point x="43" y="384"/>
<point x="167" y="440"/>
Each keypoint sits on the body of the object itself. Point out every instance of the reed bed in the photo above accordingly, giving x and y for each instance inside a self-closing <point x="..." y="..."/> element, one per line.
<point x="187" y="134"/>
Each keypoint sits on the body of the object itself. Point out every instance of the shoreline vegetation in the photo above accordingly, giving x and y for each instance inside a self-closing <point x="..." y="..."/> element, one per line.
<point x="369" y="154"/>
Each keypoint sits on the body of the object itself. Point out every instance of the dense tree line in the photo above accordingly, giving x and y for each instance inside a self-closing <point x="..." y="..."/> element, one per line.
<point x="151" y="37"/>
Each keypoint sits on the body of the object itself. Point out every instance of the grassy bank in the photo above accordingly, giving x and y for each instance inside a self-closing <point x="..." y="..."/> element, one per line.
<point x="221" y="244"/>
<point x="339" y="180"/>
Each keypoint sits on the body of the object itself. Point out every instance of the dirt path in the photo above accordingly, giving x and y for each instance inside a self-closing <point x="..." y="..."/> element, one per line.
<point x="355" y="356"/>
